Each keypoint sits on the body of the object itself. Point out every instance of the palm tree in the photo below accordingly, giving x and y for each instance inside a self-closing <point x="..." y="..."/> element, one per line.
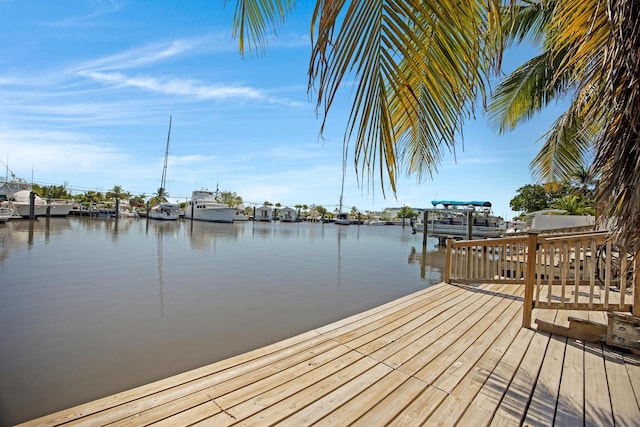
<point x="117" y="193"/>
<point x="420" y="66"/>
<point x="590" y="54"/>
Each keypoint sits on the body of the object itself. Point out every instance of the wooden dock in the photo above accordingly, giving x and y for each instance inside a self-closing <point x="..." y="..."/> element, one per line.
<point x="446" y="355"/>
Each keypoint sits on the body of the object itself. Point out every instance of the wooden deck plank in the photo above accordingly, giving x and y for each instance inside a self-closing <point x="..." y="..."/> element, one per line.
<point x="435" y="324"/>
<point x="570" y="406"/>
<point x="456" y="360"/>
<point x="633" y="368"/>
<point x="465" y="388"/>
<point x="389" y="307"/>
<point x="506" y="388"/>
<point x="597" y="405"/>
<point x="410" y="320"/>
<point x="412" y="358"/>
<point x="541" y="411"/>
<point x="280" y="403"/>
<point x="322" y="407"/>
<point x="419" y="410"/>
<point x="260" y="379"/>
<point x="625" y="406"/>
<point x="441" y="356"/>
<point x="388" y="409"/>
<point x="208" y="387"/>
<point x="386" y="394"/>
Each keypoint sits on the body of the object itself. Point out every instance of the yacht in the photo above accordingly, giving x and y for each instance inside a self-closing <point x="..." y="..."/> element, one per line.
<point x="165" y="211"/>
<point x="17" y="194"/>
<point x="204" y="206"/>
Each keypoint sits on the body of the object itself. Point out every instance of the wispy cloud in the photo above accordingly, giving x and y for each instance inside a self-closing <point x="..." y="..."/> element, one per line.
<point x="97" y="9"/>
<point x="147" y="55"/>
<point x="177" y="86"/>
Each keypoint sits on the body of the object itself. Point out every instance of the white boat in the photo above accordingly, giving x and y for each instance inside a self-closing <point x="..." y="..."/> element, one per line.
<point x="239" y="216"/>
<point x="342" y="218"/>
<point x="204" y="206"/>
<point x="5" y="214"/>
<point x="263" y="213"/>
<point x="17" y="193"/>
<point x="375" y="222"/>
<point x="165" y="210"/>
<point x="127" y="212"/>
<point x="20" y="202"/>
<point x="462" y="220"/>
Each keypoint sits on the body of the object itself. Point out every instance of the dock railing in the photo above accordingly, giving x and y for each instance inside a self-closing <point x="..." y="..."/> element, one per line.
<point x="583" y="271"/>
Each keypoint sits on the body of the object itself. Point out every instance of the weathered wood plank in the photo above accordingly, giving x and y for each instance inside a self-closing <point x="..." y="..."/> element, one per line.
<point x="324" y="406"/>
<point x="570" y="406"/>
<point x="376" y="403"/>
<point x="625" y="406"/>
<point x="417" y="411"/>
<point x="597" y="405"/>
<point x="414" y="357"/>
<point x="456" y="360"/>
<point x="434" y="326"/>
<point x="464" y="389"/>
<point x="542" y="410"/>
<point x="394" y="404"/>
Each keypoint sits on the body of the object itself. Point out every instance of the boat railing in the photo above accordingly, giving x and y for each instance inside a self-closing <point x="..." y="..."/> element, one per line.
<point x="584" y="271"/>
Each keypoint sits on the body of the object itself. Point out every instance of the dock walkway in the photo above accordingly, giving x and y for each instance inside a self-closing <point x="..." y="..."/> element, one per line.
<point x="445" y="355"/>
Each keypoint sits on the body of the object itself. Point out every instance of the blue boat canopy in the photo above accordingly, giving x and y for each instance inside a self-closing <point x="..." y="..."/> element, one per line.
<point x="447" y="203"/>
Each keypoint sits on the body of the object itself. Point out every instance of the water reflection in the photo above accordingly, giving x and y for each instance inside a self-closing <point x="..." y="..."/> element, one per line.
<point x="162" y="229"/>
<point x="205" y="234"/>
<point x="431" y="262"/>
<point x="20" y="232"/>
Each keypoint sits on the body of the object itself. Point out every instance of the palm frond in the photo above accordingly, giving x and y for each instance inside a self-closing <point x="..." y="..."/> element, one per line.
<point x="566" y="148"/>
<point x="419" y="66"/>
<point x="526" y="91"/>
<point x="253" y="19"/>
<point x="604" y="37"/>
<point x="527" y="20"/>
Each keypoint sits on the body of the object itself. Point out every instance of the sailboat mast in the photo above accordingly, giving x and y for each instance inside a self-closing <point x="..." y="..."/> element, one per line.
<point x="344" y="170"/>
<point x="166" y="156"/>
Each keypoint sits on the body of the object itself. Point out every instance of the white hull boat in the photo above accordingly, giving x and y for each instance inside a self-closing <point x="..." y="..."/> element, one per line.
<point x="342" y="219"/>
<point x="5" y="214"/>
<point x="204" y="206"/>
<point x="165" y="211"/>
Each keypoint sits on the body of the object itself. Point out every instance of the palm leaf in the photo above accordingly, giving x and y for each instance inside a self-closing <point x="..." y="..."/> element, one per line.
<point x="418" y="66"/>
<point x="254" y="18"/>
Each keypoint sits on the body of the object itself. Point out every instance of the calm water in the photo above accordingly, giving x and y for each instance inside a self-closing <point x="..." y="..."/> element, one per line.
<point x="90" y="307"/>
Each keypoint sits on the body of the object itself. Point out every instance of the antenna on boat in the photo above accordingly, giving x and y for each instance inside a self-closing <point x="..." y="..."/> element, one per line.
<point x="344" y="170"/>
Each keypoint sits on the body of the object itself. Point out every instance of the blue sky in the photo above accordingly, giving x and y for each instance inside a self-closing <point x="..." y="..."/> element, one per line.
<point x="87" y="88"/>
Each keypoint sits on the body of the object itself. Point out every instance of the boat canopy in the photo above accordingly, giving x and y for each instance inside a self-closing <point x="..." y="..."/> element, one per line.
<point x="447" y="203"/>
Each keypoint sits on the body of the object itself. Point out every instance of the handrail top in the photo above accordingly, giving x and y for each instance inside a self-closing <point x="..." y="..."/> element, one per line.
<point x="576" y="236"/>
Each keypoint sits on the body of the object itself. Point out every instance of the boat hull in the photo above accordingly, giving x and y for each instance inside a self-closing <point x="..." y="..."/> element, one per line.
<point x="165" y="212"/>
<point x="211" y="214"/>
<point x="62" y="208"/>
<point x="460" y="231"/>
<point x="24" y="209"/>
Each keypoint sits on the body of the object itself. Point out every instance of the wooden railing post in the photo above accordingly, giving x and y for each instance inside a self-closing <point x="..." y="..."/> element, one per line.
<point x="447" y="262"/>
<point x="529" y="278"/>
